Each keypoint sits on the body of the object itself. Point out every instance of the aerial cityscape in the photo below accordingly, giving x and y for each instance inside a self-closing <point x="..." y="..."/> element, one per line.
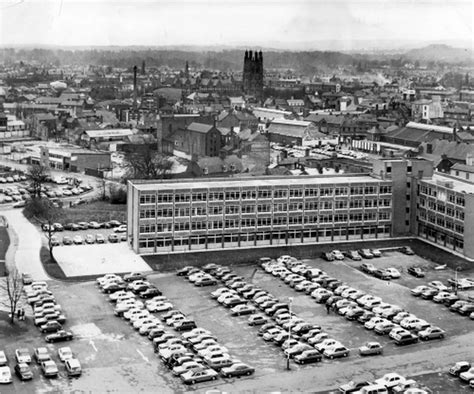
<point x="236" y="197"/>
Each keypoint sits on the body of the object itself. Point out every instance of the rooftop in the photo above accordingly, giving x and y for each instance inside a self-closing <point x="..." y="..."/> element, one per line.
<point x="260" y="181"/>
<point x="457" y="184"/>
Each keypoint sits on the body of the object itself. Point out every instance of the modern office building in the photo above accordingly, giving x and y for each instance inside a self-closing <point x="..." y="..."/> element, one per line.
<point x="190" y="214"/>
<point x="399" y="198"/>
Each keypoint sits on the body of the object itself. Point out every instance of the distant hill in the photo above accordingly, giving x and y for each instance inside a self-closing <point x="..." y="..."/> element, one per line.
<point x="441" y="53"/>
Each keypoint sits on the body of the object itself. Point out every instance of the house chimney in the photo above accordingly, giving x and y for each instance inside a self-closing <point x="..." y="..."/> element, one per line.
<point x="135" y="68"/>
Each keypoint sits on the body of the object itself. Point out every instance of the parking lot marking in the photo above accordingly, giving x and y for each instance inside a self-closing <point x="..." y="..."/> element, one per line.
<point x="91" y="342"/>
<point x="143" y="356"/>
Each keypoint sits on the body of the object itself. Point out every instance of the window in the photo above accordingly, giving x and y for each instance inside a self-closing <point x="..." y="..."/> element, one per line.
<point x="280" y="193"/>
<point x="147" y="199"/>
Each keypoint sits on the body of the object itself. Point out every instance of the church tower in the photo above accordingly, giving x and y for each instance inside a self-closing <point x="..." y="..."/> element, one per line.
<point x="252" y="81"/>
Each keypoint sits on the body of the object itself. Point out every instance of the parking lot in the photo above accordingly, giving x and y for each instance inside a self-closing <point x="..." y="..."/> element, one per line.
<point x="112" y="353"/>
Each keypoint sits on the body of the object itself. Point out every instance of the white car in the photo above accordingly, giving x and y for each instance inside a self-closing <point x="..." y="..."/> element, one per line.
<point x="411" y="323"/>
<point x="393" y="272"/>
<point x="22" y="356"/>
<point x="138" y="316"/>
<point x="329" y="342"/>
<point x="438" y="285"/>
<point x="100" y="281"/>
<point x="370" y="325"/>
<point x="174" y="319"/>
<point x="5" y="374"/>
<point x="390" y="380"/>
<point x="195" y="332"/>
<point x="165" y="353"/>
<point x="337" y="254"/>
<point x="159" y="306"/>
<point x="121" y="295"/>
<point x="186" y="366"/>
<point x="139" y="322"/>
<point x="131" y="312"/>
<point x="65" y="353"/>
<point x="147" y="327"/>
<point x="468" y="375"/>
<point x="215" y="349"/>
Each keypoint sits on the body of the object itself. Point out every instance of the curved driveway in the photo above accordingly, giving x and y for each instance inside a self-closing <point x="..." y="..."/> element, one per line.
<point x="28" y="244"/>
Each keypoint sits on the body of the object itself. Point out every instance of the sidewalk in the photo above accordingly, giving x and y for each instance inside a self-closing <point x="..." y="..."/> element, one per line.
<point x="25" y="245"/>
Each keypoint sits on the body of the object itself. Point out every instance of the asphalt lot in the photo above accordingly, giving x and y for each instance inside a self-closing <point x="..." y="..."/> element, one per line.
<point x="114" y="354"/>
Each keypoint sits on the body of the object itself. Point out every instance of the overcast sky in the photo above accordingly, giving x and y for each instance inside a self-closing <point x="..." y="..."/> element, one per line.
<point x="234" y="22"/>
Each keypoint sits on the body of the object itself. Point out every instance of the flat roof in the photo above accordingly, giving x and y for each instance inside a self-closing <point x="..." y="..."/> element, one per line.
<point x="458" y="185"/>
<point x="204" y="183"/>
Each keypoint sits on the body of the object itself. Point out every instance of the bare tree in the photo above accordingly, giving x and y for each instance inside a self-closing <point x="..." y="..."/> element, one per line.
<point x="38" y="175"/>
<point x="11" y="291"/>
<point x="146" y="163"/>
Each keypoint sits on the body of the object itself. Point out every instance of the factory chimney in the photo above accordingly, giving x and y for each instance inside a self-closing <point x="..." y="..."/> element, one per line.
<point x="134" y="88"/>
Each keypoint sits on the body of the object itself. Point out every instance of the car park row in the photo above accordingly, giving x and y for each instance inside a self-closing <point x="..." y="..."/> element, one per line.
<point x="47" y="314"/>
<point x="353" y="304"/>
<point x="195" y="356"/>
<point x="235" y="295"/>
<point x="437" y="292"/>
<point x="464" y="370"/>
<point x="390" y="382"/>
<point x="118" y="235"/>
<point x="48" y="367"/>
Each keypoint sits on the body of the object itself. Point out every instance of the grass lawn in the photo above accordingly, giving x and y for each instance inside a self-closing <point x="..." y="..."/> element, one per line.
<point x="99" y="211"/>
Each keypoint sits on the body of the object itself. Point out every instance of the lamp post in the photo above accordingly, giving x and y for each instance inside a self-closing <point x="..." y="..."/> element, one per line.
<point x="290" y="300"/>
<point x="456" y="280"/>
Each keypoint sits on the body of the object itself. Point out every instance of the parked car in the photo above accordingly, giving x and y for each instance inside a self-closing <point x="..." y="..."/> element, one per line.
<point x="336" y="351"/>
<point x="337" y="254"/>
<point x="354" y="255"/>
<point x="78" y="240"/>
<point x="376" y="252"/>
<point x="393" y="272"/>
<point x="328" y="256"/>
<point x="59" y="336"/>
<point x="23" y="371"/>
<point x="65" y="353"/>
<point x="113" y="238"/>
<point x="199" y="375"/>
<point x="49" y="368"/>
<point x="237" y="369"/>
<point x="406" y="339"/>
<point x="132" y="276"/>
<point x="67" y="240"/>
<point x="51" y="326"/>
<point x="90" y="239"/>
<point x="368" y="268"/>
<point x="5" y="375"/>
<point x="22" y="355"/>
<point x="459" y="367"/>
<point x="353" y="387"/>
<point x="308" y="356"/>
<point x="416" y="271"/>
<point x="99" y="238"/>
<point x="431" y="333"/>
<point x="121" y="229"/>
<point x="73" y="367"/>
<point x="26" y="278"/>
<point x="41" y="354"/>
<point x="371" y="348"/>
<point x="407" y="250"/>
<point x="366" y="253"/>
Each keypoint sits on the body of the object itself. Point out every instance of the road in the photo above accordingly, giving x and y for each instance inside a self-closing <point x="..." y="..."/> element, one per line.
<point x="26" y="243"/>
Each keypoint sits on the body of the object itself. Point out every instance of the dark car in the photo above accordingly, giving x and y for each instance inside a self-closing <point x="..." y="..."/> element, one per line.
<point x="112" y="224"/>
<point x="334" y="284"/>
<point x="450" y="299"/>
<point x="382" y="274"/>
<point x="113" y="287"/>
<point x="237" y="369"/>
<point x="23" y="371"/>
<point x="113" y="238"/>
<point x="416" y="271"/>
<point x="51" y="326"/>
<point x="155" y="332"/>
<point x="406" y="339"/>
<point x="184" y="271"/>
<point x="267" y="326"/>
<point x="308" y="356"/>
<point x="368" y="267"/>
<point x="328" y="256"/>
<point x="27" y="279"/>
<point x="185" y="325"/>
<point x="71" y="226"/>
<point x="150" y="293"/>
<point x="429" y="294"/>
<point x="407" y="250"/>
<point x="134" y="276"/>
<point x="352" y="387"/>
<point x="59" y="336"/>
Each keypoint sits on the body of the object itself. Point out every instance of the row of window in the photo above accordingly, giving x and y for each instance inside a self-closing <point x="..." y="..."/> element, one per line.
<point x="264" y="194"/>
<point x="442" y="208"/>
<point x="275" y="237"/>
<point x="263" y="208"/>
<point x="441" y="221"/>
<point x="450" y="197"/>
<point x="263" y="222"/>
